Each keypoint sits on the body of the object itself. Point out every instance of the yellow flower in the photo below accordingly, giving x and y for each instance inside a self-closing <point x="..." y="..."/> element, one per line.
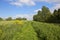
<point x="18" y="22"/>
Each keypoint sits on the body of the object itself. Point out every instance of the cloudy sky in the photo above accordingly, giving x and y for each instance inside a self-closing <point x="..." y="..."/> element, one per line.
<point x="25" y="8"/>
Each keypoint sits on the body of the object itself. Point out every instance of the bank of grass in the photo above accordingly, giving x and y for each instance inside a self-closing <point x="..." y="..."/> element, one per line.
<point x="28" y="30"/>
<point x="47" y="31"/>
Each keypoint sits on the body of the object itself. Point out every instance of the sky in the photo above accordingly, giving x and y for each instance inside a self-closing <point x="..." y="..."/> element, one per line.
<point x="25" y="8"/>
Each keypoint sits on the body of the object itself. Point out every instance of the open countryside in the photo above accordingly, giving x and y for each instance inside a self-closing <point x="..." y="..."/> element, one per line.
<point x="29" y="20"/>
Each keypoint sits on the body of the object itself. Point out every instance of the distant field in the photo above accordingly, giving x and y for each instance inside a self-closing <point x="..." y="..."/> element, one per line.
<point x="28" y="30"/>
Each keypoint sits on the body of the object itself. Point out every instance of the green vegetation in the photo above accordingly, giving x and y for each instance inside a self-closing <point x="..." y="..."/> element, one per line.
<point x="28" y="30"/>
<point x="46" y="31"/>
<point x="20" y="18"/>
<point x="45" y="15"/>
<point x="42" y="15"/>
<point x="55" y="17"/>
<point x="21" y="29"/>
<point x="12" y="30"/>
<point x="1" y="19"/>
<point x="10" y="19"/>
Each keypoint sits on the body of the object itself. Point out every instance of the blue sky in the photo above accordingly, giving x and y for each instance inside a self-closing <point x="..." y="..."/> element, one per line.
<point x="25" y="8"/>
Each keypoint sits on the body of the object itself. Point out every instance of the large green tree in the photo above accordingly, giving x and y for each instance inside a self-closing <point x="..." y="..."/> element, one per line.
<point x="58" y="14"/>
<point x="55" y="17"/>
<point x="45" y="13"/>
<point x="42" y="15"/>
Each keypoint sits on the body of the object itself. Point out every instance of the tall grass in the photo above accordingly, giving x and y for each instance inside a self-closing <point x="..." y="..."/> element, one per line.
<point x="10" y="30"/>
<point x="46" y="31"/>
<point x="28" y="30"/>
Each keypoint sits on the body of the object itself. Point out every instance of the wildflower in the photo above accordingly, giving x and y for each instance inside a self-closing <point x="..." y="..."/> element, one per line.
<point x="18" y="22"/>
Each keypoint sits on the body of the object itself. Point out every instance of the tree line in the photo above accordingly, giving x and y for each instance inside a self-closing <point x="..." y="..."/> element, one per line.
<point x="10" y="18"/>
<point x="45" y="15"/>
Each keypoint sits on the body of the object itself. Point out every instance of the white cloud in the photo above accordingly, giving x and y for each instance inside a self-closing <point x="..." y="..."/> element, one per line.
<point x="56" y="6"/>
<point x="30" y="2"/>
<point x="22" y="2"/>
<point x="37" y="10"/>
<point x="49" y="0"/>
<point x="27" y="2"/>
<point x="16" y="3"/>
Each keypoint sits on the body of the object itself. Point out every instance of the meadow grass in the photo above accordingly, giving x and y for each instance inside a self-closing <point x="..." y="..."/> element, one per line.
<point x="28" y="30"/>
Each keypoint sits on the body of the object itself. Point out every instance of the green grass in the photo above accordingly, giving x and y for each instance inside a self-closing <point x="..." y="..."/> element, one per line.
<point x="30" y="30"/>
<point x="46" y="31"/>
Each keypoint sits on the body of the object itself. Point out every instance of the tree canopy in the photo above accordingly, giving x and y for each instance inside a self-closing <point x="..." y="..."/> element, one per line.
<point x="46" y="16"/>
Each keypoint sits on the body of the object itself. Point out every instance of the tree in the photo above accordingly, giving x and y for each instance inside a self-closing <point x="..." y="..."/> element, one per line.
<point x="39" y="12"/>
<point x="42" y="15"/>
<point x="58" y="14"/>
<point x="1" y="19"/>
<point x="36" y="18"/>
<point x="55" y="17"/>
<point x="55" y="12"/>
<point x="24" y="19"/>
<point x="9" y="19"/>
<point x="45" y="13"/>
<point x="19" y="18"/>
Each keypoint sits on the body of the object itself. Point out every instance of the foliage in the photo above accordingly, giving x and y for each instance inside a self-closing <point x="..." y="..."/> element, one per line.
<point x="1" y="19"/>
<point x="42" y="15"/>
<point x="11" y="31"/>
<point x="19" y="18"/>
<point x="55" y="17"/>
<point x="8" y="19"/>
<point x="29" y="30"/>
<point x="46" y="31"/>
<point x="46" y="16"/>
<point x="24" y="18"/>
